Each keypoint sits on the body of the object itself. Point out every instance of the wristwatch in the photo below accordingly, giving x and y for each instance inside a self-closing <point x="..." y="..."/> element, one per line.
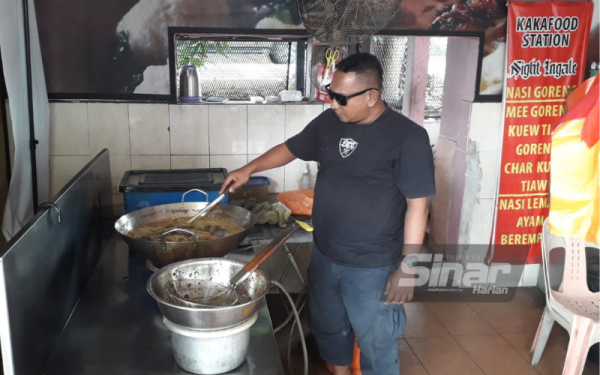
<point x="410" y="260"/>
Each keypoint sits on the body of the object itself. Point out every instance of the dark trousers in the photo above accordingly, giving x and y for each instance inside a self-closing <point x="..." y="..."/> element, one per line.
<point x="344" y="302"/>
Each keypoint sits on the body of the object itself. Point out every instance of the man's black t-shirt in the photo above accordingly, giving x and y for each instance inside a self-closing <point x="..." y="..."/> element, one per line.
<point x="366" y="173"/>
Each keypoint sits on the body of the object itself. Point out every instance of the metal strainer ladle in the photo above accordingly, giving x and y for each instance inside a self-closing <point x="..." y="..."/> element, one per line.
<point x="204" y="293"/>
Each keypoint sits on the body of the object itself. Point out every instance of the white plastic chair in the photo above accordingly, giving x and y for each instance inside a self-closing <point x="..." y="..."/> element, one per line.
<point x="573" y="306"/>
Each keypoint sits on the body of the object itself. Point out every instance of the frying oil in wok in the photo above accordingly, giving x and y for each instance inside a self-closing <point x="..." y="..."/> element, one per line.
<point x="206" y="228"/>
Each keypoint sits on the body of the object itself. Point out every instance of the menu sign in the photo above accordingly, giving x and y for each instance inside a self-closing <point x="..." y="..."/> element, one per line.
<point x="546" y="47"/>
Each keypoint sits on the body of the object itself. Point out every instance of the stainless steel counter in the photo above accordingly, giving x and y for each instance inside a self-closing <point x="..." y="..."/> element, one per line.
<point x="117" y="328"/>
<point x="263" y="235"/>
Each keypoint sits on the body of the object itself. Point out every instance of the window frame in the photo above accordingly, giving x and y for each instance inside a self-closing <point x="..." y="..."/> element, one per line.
<point x="281" y="35"/>
<point x="481" y="98"/>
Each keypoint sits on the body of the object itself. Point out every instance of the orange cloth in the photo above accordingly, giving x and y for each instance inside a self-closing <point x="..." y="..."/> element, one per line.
<point x="574" y="164"/>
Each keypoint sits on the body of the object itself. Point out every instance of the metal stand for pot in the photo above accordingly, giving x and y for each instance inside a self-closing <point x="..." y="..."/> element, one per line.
<point x="292" y="261"/>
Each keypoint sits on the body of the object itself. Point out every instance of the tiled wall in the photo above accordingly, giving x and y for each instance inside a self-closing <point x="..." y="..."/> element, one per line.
<point x="162" y="136"/>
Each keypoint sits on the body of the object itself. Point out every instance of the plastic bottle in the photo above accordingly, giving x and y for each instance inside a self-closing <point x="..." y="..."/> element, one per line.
<point x="307" y="180"/>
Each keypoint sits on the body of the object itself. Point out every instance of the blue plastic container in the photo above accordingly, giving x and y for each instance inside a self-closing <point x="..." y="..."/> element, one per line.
<point x="143" y="189"/>
<point x="257" y="187"/>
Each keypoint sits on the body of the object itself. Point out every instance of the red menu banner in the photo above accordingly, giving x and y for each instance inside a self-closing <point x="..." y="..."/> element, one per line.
<point x="546" y="54"/>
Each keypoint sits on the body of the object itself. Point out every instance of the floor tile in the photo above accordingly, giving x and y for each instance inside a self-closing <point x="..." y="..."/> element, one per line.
<point x="443" y="356"/>
<point x="409" y="362"/>
<point x="459" y="318"/>
<point x="505" y="318"/>
<point x="494" y="355"/>
<point x="529" y="298"/>
<point x="426" y="296"/>
<point x="421" y="322"/>
<point x="429" y="349"/>
<point x="553" y="357"/>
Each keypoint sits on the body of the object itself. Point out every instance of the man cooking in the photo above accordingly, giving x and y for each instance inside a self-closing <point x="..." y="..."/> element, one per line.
<point x="370" y="211"/>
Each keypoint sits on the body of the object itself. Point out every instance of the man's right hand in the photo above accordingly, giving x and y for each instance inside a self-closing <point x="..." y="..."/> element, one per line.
<point x="276" y="157"/>
<point x="235" y="180"/>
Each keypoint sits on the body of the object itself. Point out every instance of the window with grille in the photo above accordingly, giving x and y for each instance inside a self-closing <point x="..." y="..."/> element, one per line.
<point x="392" y="52"/>
<point x="436" y="72"/>
<point x="238" y="69"/>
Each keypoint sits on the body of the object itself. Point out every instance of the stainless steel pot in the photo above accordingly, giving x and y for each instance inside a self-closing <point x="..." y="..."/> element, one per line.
<point x="216" y="270"/>
<point x="165" y="252"/>
<point x="210" y="351"/>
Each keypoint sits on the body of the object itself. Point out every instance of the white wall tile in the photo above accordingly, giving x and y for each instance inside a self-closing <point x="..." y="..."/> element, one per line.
<point x="480" y="222"/>
<point x="69" y="129"/>
<point x="266" y="125"/>
<point x="293" y="173"/>
<point x="189" y="129"/>
<point x="149" y="129"/>
<point x="489" y="166"/>
<point x="63" y="169"/>
<point x="150" y="162"/>
<point x="119" y="164"/>
<point x="228" y="129"/>
<point x="276" y="176"/>
<point x="190" y="162"/>
<point x="109" y="128"/>
<point x="298" y="116"/>
<point x="485" y="124"/>
<point x="229" y="162"/>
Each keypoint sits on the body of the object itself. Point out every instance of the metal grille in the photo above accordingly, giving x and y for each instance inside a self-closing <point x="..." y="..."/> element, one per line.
<point x="436" y="72"/>
<point x="391" y="52"/>
<point x="345" y="22"/>
<point x="237" y="70"/>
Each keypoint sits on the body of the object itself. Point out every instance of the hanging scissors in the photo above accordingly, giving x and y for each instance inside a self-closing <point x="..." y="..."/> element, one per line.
<point x="331" y="57"/>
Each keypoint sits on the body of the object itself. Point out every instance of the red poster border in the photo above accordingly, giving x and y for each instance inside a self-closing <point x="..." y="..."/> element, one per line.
<point x="516" y="254"/>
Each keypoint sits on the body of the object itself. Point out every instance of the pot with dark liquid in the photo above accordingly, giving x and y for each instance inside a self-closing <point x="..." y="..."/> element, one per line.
<point x="161" y="233"/>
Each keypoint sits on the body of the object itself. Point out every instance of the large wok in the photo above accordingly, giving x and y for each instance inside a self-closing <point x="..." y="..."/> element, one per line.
<point x="165" y="252"/>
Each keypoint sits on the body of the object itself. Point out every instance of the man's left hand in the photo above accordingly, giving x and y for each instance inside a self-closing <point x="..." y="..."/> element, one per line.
<point x="400" y="287"/>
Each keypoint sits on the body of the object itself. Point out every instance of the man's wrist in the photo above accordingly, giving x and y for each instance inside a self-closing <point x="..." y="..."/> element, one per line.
<point x="410" y="260"/>
<point x="250" y="167"/>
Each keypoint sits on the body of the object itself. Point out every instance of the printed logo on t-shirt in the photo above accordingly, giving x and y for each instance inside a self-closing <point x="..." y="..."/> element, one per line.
<point x="347" y="147"/>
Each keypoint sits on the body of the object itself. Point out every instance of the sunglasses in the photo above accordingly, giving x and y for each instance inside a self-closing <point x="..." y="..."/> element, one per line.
<point x="343" y="99"/>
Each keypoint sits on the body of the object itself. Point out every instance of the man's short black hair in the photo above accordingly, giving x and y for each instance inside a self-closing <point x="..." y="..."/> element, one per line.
<point x="364" y="65"/>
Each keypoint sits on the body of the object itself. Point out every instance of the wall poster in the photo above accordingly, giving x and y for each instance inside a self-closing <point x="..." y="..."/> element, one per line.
<point x="547" y="47"/>
<point x="118" y="47"/>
